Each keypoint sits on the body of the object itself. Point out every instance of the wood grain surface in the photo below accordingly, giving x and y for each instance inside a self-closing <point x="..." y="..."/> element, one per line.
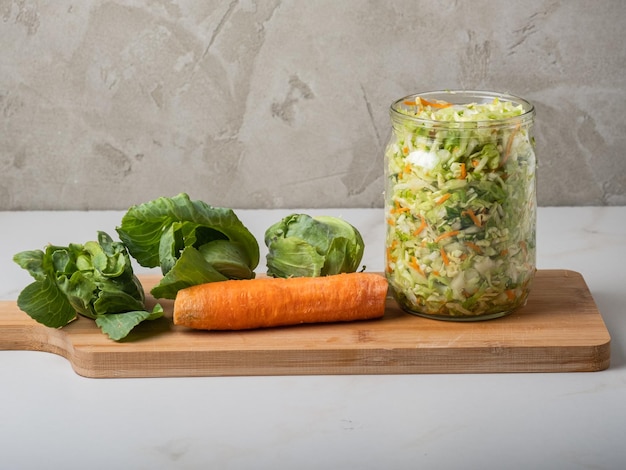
<point x="559" y="330"/>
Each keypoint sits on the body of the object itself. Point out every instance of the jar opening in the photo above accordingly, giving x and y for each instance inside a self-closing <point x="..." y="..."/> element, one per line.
<point x="456" y="101"/>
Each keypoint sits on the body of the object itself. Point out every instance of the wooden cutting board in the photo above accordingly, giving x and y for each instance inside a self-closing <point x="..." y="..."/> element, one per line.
<point x="559" y="330"/>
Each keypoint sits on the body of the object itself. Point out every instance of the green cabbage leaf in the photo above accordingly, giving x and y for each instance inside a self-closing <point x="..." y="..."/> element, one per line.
<point x="192" y="242"/>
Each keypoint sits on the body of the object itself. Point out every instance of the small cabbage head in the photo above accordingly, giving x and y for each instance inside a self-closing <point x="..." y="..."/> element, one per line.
<point x="303" y="246"/>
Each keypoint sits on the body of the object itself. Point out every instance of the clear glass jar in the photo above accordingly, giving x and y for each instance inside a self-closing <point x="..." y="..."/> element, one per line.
<point x="460" y="204"/>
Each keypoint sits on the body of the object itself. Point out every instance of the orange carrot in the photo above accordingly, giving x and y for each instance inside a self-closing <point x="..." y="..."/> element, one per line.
<point x="443" y="198"/>
<point x="474" y="247"/>
<point x="446" y="235"/>
<point x="523" y="246"/>
<point x="474" y="218"/>
<point x="415" y="265"/>
<point x="444" y="256"/>
<point x="400" y="210"/>
<point x="422" y="226"/>
<point x="390" y="257"/>
<point x="421" y="102"/>
<point x="509" y="144"/>
<point x="435" y="104"/>
<point x="269" y="302"/>
<point x="463" y="172"/>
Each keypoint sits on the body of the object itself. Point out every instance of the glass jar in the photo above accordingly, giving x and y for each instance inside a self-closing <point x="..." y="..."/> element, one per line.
<point x="460" y="204"/>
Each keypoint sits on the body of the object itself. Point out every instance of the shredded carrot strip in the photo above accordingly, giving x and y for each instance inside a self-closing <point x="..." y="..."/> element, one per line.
<point x="524" y="246"/>
<point x="444" y="256"/>
<point x="436" y="273"/>
<point x="463" y="172"/>
<point x="391" y="222"/>
<point x="509" y="144"/>
<point x="422" y="226"/>
<point x="474" y="217"/>
<point x="474" y="247"/>
<point x="475" y="163"/>
<point x="409" y="103"/>
<point x="407" y="168"/>
<point x="443" y="198"/>
<point x="399" y="210"/>
<point x="446" y="235"/>
<point x="414" y="264"/>
<point x="405" y="150"/>
<point x="504" y="252"/>
<point x="510" y="293"/>
<point x="390" y="257"/>
<point x="435" y="104"/>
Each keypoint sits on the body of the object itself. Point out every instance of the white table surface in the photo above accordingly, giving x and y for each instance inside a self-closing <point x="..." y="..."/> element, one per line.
<point x="50" y="417"/>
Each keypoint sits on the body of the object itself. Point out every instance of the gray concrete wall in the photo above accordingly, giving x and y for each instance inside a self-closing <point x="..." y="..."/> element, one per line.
<point x="284" y="103"/>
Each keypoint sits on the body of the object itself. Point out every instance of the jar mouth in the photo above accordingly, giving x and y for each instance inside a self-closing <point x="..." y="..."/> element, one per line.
<point x="402" y="108"/>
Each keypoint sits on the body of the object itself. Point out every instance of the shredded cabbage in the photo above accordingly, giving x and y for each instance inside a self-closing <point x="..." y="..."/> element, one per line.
<point x="460" y="207"/>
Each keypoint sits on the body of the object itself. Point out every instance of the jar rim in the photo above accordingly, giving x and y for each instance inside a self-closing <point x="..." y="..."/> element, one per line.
<point x="462" y="97"/>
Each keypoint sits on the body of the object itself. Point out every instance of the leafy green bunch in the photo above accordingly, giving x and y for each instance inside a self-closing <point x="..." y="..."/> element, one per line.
<point x="192" y="242"/>
<point x="95" y="280"/>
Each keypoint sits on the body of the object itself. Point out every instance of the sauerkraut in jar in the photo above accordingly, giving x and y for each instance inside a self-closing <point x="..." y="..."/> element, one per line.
<point x="460" y="204"/>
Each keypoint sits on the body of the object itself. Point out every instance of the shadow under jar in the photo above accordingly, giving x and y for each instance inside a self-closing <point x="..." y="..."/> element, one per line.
<point x="460" y="204"/>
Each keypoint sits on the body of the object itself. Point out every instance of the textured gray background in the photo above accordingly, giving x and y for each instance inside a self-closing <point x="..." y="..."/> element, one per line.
<point x="284" y="103"/>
